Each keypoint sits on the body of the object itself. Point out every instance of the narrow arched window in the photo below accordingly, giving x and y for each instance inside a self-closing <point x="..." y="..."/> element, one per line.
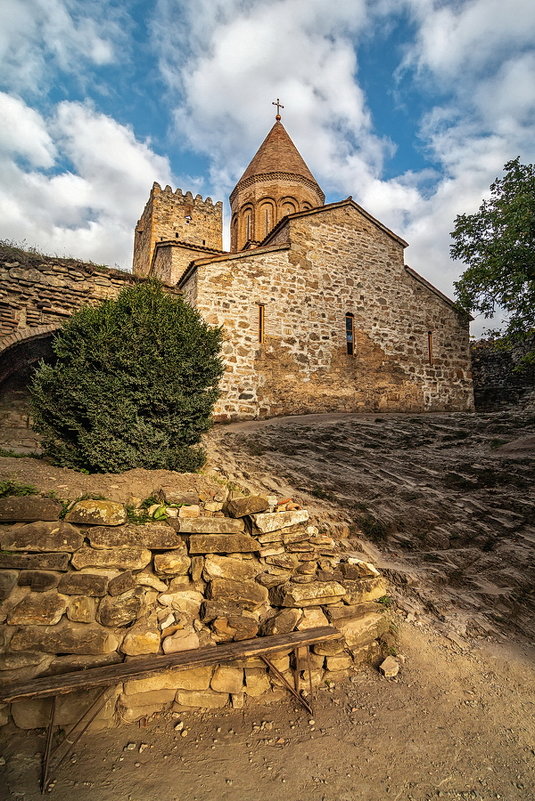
<point x="350" y="333"/>
<point x="430" y="347"/>
<point x="261" y="320"/>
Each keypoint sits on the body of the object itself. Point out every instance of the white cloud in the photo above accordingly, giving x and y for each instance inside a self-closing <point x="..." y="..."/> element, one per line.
<point x="23" y="132"/>
<point x="37" y="37"/>
<point x="91" y="211"/>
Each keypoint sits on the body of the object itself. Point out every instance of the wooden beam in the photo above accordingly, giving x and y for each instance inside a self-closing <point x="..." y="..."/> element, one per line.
<point x="146" y="666"/>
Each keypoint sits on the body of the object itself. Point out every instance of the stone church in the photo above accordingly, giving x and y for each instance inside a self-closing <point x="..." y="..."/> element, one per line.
<point x="319" y="310"/>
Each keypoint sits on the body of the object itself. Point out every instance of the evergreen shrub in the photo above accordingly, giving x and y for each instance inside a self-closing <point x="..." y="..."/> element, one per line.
<point x="133" y="385"/>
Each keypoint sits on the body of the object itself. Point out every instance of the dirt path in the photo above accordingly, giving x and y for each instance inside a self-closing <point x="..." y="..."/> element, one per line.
<point x="454" y="725"/>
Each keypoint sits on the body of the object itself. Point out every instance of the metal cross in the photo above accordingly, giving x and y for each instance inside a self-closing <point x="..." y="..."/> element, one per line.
<point x="279" y="106"/>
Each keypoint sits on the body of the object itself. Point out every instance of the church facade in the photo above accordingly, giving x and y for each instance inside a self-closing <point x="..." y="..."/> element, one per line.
<point x="319" y="310"/>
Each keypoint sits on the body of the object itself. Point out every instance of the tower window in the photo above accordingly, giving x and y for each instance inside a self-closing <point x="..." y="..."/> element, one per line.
<point x="187" y="218"/>
<point x="261" y="321"/>
<point x="350" y="334"/>
<point x="430" y="347"/>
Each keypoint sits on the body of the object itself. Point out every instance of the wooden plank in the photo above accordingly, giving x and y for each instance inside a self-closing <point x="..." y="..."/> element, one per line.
<point x="146" y="666"/>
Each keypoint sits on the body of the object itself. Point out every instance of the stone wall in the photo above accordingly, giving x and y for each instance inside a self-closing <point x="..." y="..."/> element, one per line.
<point x="318" y="268"/>
<point x="174" y="215"/>
<point x="37" y="291"/>
<point x="497" y="382"/>
<point x="93" y="589"/>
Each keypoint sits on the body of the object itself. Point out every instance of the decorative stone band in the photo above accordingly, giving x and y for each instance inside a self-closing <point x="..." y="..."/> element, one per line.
<point x="274" y="176"/>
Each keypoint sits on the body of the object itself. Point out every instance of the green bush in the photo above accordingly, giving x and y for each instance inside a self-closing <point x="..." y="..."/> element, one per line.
<point x="133" y="385"/>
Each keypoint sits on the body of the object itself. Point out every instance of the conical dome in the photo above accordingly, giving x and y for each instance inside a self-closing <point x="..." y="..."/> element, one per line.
<point x="277" y="182"/>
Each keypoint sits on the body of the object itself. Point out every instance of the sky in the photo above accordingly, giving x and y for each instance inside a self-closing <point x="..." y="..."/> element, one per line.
<point x="410" y="106"/>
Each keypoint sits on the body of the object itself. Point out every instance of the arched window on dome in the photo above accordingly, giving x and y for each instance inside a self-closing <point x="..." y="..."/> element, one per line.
<point x="234" y="231"/>
<point x="266" y="216"/>
<point x="305" y="206"/>
<point x="248" y="224"/>
<point x="288" y="206"/>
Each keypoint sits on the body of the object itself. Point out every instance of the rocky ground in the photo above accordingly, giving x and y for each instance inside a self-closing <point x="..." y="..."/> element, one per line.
<point x="456" y="724"/>
<point x="446" y="501"/>
<point x="445" y="504"/>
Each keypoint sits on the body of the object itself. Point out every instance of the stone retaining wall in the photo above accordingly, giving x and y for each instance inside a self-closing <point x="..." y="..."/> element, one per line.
<point x="95" y="589"/>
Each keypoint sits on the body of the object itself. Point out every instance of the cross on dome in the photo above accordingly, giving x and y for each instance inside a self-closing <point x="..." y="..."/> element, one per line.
<point x="279" y="106"/>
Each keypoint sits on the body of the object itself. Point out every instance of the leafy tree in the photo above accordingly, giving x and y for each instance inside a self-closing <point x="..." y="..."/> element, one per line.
<point x="498" y="244"/>
<point x="133" y="385"/>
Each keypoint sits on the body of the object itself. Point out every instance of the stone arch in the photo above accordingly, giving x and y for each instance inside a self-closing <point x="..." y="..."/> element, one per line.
<point x="288" y="205"/>
<point x="19" y="353"/>
<point x="266" y="216"/>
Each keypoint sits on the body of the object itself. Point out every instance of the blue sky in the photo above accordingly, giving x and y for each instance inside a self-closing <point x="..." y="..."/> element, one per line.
<point x="410" y="106"/>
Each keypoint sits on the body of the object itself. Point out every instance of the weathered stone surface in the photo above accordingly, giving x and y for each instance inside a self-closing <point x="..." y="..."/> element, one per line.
<point x="362" y="630"/>
<point x="192" y="679"/>
<point x="119" y="610"/>
<point x="187" y="512"/>
<point x="346" y="611"/>
<point x="82" y="609"/>
<point x="283" y="622"/>
<point x="311" y="594"/>
<point x="28" y="508"/>
<point x="8" y="579"/>
<point x="142" y="638"/>
<point x="150" y="580"/>
<point x="355" y="568"/>
<point x="172" y="563"/>
<point x="207" y="699"/>
<point x="247" y="594"/>
<point x="273" y="521"/>
<point x="4" y="714"/>
<point x="365" y="590"/>
<point x="67" y="664"/>
<point x="329" y="647"/>
<point x="288" y="561"/>
<point x="269" y="579"/>
<point x="64" y="638"/>
<point x="38" y="580"/>
<point x="226" y="567"/>
<point x="93" y="584"/>
<point x="187" y="602"/>
<point x="97" y="513"/>
<point x="155" y="536"/>
<point x="35" y="561"/>
<point x="38" y="609"/>
<point x="213" y="506"/>
<point x="40" y="537"/>
<point x="389" y="667"/>
<point x="235" y="627"/>
<point x="212" y="609"/>
<point x="208" y="525"/>
<point x="312" y="617"/>
<point x="222" y="543"/>
<point x="171" y="495"/>
<point x="227" y="679"/>
<point x="182" y="640"/>
<point x="338" y="662"/>
<point x="22" y="659"/>
<point x="132" y="558"/>
<point x="256" y="681"/>
<point x="122" y="583"/>
<point x="252" y="504"/>
<point x="139" y="705"/>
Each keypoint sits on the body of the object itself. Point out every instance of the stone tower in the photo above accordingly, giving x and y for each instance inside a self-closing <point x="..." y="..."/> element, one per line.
<point x="192" y="225"/>
<point x="277" y="182"/>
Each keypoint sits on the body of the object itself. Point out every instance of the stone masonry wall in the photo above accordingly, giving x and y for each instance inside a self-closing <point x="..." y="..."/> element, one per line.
<point x="38" y="290"/>
<point x="174" y="215"/>
<point x="497" y="384"/>
<point x="93" y="589"/>
<point x="333" y="262"/>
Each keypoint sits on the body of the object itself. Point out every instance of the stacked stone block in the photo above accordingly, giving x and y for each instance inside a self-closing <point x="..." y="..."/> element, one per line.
<point x="93" y="589"/>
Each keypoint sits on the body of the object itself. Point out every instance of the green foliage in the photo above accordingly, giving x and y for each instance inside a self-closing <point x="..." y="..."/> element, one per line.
<point x="14" y="488"/>
<point x="498" y="245"/>
<point x="134" y="385"/>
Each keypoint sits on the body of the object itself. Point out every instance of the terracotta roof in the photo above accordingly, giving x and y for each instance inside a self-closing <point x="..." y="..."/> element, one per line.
<point x="277" y="152"/>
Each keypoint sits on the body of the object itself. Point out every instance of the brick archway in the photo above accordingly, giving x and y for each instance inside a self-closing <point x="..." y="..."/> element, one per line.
<point x="24" y="348"/>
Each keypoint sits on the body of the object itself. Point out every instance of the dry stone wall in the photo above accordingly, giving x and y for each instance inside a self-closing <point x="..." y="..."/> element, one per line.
<point x="94" y="589"/>
<point x="323" y="266"/>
